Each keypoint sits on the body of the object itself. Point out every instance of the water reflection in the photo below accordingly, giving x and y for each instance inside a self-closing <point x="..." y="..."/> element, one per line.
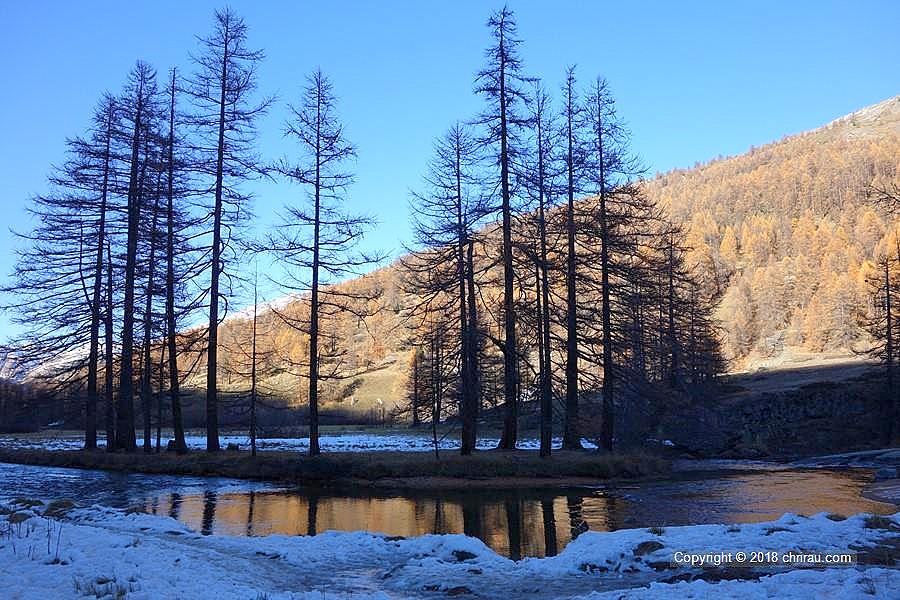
<point x="549" y="520"/>
<point x="516" y="526"/>
<point x="209" y="512"/>
<point x="520" y="523"/>
<point x="312" y="512"/>
<point x="515" y="523"/>
<point x="251" y="501"/>
<point x="174" y="505"/>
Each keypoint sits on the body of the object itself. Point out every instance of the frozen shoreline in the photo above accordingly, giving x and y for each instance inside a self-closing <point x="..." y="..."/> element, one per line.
<point x="98" y="549"/>
<point x="336" y="442"/>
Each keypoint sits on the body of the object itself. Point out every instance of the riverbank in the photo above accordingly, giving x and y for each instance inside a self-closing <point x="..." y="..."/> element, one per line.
<point x="384" y="470"/>
<point x="56" y="550"/>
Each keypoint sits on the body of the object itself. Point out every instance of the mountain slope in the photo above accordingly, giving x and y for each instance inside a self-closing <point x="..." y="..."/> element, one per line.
<point x="783" y="231"/>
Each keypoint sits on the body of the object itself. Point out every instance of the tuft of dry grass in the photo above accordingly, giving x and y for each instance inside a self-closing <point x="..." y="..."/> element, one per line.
<point x="103" y="587"/>
<point x="58" y="508"/>
<point x="18" y="517"/>
<point x="880" y="522"/>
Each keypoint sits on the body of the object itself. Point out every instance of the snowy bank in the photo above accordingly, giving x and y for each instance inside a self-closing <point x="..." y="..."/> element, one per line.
<point x="54" y="550"/>
<point x="337" y="442"/>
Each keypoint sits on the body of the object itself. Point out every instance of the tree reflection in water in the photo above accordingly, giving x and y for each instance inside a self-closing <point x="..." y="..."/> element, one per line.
<point x="514" y="527"/>
<point x="209" y="512"/>
<point x="312" y="510"/>
<point x="472" y="521"/>
<point x="174" y="505"/>
<point x="517" y="523"/>
<point x="549" y="519"/>
<point x="577" y="524"/>
<point x="250" y="502"/>
<point x="438" y="517"/>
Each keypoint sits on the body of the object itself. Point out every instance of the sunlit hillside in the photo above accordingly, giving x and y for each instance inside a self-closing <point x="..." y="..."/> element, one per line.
<point x="784" y="232"/>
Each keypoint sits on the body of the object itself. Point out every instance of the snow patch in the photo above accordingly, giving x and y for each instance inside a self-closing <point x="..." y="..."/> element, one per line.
<point x="146" y="556"/>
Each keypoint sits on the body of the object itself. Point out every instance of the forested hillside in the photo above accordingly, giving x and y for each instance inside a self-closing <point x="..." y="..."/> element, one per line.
<point x="786" y="233"/>
<point x="783" y="233"/>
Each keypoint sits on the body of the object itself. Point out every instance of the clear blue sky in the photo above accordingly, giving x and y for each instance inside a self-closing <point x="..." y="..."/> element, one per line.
<point x="693" y="79"/>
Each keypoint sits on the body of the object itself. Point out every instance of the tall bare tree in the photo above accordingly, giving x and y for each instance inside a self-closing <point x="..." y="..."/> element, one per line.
<point x="174" y="229"/>
<point x="610" y="165"/>
<point x="222" y="91"/>
<point x="56" y="277"/>
<point x="884" y="325"/>
<point x="101" y="148"/>
<point x="255" y="358"/>
<point x="501" y="84"/>
<point x="440" y="273"/>
<point x="139" y="111"/>
<point x="151" y="323"/>
<point x="574" y="160"/>
<point x="110" y="360"/>
<point x="317" y="240"/>
<point x="540" y="182"/>
<point x="884" y="328"/>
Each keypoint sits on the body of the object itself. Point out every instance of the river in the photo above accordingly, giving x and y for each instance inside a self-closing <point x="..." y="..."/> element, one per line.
<point x="513" y="522"/>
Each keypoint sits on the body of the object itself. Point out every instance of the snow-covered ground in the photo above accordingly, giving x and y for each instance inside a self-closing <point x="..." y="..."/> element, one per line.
<point x="867" y="459"/>
<point x="343" y="442"/>
<point x="99" y="552"/>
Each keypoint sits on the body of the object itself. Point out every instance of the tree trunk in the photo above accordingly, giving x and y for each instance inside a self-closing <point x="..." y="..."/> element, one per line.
<point x="90" y="433"/>
<point x="253" y="370"/>
<point x="472" y="346"/>
<point x="546" y="435"/>
<point x="894" y="405"/>
<point x="467" y="399"/>
<point x="109" y="373"/>
<point x="571" y="437"/>
<point x="510" y="348"/>
<point x="147" y="362"/>
<point x="543" y="302"/>
<point x="607" y="413"/>
<point x="212" y="353"/>
<point x="435" y="391"/>
<point x="608" y="406"/>
<point x="314" y="299"/>
<point x="171" y="324"/>
<point x="415" y="390"/>
<point x="125" y="418"/>
<point x="159" y="395"/>
<point x="673" y="338"/>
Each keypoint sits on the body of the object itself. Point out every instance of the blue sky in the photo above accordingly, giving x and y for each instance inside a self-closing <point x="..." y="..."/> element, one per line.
<point x="693" y="79"/>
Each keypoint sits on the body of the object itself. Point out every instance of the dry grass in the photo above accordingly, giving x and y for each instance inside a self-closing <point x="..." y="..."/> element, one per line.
<point x="398" y="469"/>
<point x="880" y="522"/>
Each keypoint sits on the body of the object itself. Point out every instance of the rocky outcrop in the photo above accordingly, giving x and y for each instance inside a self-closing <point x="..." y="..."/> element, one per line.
<point x="812" y="419"/>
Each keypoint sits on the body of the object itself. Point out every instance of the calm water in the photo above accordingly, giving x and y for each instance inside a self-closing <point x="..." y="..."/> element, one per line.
<point x="515" y="523"/>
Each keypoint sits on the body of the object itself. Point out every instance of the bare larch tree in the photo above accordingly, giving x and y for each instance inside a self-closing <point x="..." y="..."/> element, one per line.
<point x="500" y="82"/>
<point x="440" y="272"/>
<point x="316" y="241"/>
<point x="222" y="91"/>
<point x="139" y="111"/>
